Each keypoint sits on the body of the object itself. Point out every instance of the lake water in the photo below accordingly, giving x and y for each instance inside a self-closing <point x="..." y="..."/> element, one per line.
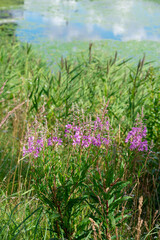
<point x="125" y="23"/>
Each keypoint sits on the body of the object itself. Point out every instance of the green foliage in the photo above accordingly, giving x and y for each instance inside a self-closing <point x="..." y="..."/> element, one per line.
<point x="129" y="90"/>
<point x="18" y="68"/>
<point x="85" y="194"/>
<point x="10" y="3"/>
<point x="59" y="188"/>
<point x="73" y="191"/>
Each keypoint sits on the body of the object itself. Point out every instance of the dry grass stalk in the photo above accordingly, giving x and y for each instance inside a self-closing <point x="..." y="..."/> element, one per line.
<point x="94" y="226"/>
<point x="1" y="89"/>
<point x="156" y="215"/>
<point x="146" y="226"/>
<point x="117" y="238"/>
<point x="10" y="113"/>
<point x="108" y="236"/>
<point x="99" y="231"/>
<point x="119" y="133"/>
<point x="140" y="221"/>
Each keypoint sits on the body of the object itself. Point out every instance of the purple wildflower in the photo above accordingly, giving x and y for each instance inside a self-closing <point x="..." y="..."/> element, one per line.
<point x="76" y="128"/>
<point x="86" y="142"/>
<point x="136" y="138"/>
<point x="54" y="140"/>
<point x="94" y="133"/>
<point x="96" y="141"/>
<point x="77" y="138"/>
<point x="105" y="141"/>
<point x="68" y="126"/>
<point x="107" y="125"/>
<point x="33" y="146"/>
<point x="98" y="124"/>
<point x="50" y="142"/>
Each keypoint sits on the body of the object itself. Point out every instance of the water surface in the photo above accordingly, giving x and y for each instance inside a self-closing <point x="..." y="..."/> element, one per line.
<point x="57" y="22"/>
<point x="69" y="20"/>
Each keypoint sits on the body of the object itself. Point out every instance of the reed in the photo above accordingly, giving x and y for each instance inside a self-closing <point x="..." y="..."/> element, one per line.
<point x="77" y="189"/>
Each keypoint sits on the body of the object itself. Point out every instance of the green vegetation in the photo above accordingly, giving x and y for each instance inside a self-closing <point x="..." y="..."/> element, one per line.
<point x="10" y="3"/>
<point x="111" y="192"/>
<point x="135" y="50"/>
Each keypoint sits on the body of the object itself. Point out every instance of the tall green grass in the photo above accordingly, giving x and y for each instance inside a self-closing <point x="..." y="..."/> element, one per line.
<point x="19" y="68"/>
<point x="84" y="83"/>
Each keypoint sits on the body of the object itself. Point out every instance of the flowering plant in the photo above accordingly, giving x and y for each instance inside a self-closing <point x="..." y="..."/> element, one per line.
<point x="137" y="137"/>
<point x="74" y="171"/>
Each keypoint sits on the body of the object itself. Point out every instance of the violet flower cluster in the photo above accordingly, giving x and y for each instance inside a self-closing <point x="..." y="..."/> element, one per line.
<point x="33" y="146"/>
<point x="137" y="140"/>
<point x="87" y="134"/>
<point x="54" y="140"/>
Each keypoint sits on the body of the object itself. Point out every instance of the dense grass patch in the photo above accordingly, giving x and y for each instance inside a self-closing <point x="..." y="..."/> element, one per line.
<point x="92" y="185"/>
<point x="10" y="3"/>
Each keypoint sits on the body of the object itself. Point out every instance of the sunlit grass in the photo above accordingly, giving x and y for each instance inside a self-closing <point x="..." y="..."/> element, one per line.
<point x="10" y="3"/>
<point x="79" y="85"/>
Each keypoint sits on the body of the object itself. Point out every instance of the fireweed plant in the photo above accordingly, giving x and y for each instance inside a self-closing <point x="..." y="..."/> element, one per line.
<point x="137" y="137"/>
<point x="85" y="134"/>
<point x="80" y="187"/>
<point x="76" y="178"/>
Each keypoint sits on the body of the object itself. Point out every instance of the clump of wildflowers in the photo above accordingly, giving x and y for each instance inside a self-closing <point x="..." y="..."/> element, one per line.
<point x="35" y="139"/>
<point x="89" y="133"/>
<point x="84" y="134"/>
<point x="38" y="138"/>
<point x="54" y="140"/>
<point x="33" y="146"/>
<point x="136" y="138"/>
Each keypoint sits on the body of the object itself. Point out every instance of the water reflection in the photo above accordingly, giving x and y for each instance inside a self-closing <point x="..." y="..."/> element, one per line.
<point x="60" y="29"/>
<point x="10" y="12"/>
<point x="9" y="17"/>
<point x="69" y="20"/>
